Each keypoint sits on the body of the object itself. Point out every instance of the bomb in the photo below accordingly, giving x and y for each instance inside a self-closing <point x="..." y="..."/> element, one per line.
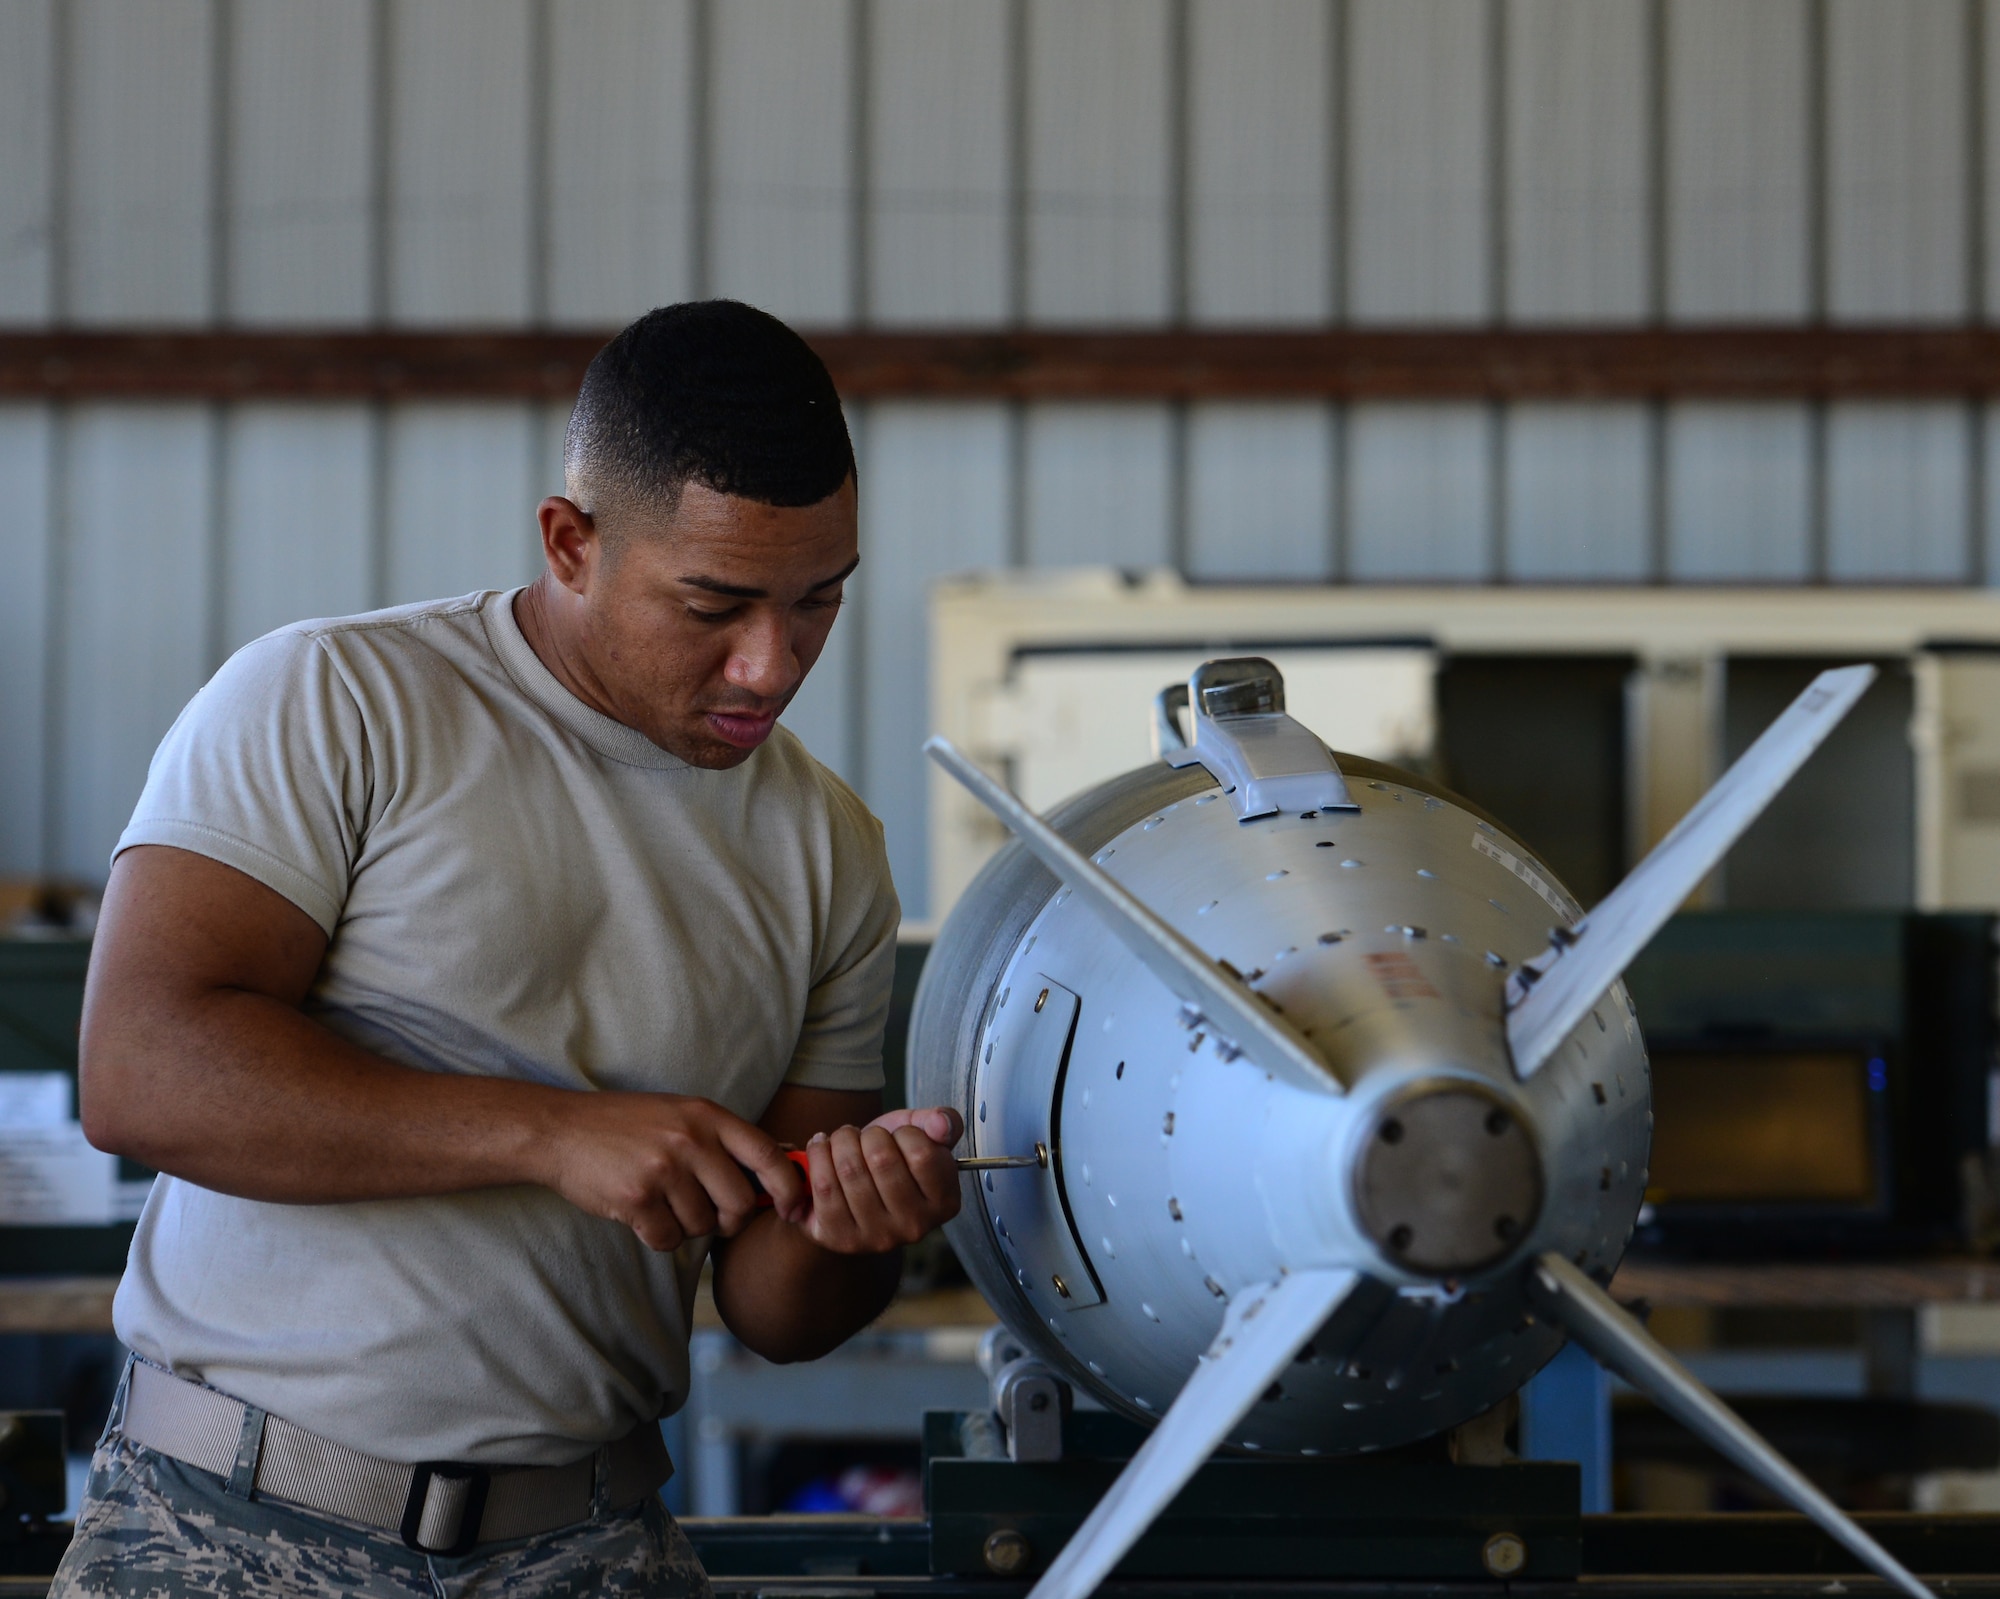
<point x="1345" y="1108"/>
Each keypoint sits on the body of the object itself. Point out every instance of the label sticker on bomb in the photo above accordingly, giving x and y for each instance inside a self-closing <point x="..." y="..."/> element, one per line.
<point x="1400" y="976"/>
<point x="1548" y="893"/>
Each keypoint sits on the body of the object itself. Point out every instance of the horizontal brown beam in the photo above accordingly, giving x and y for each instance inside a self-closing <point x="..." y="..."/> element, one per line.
<point x="1746" y="362"/>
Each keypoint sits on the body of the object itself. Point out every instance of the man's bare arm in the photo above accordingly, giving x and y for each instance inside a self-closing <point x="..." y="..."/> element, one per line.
<point x="795" y="1291"/>
<point x="196" y="1060"/>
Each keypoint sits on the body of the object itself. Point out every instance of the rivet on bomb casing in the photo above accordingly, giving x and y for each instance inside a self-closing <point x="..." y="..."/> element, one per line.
<point x="1504" y="1555"/>
<point x="1041" y="999"/>
<point x="1062" y="1287"/>
<point x="1006" y="1552"/>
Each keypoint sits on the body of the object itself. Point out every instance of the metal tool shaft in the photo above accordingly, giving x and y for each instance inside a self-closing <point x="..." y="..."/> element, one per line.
<point x="1000" y="1162"/>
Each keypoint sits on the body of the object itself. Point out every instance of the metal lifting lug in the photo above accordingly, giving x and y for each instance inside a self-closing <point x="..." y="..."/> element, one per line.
<point x="1265" y="761"/>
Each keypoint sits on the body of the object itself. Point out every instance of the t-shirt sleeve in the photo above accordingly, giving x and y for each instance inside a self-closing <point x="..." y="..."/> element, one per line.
<point x="265" y="770"/>
<point x="847" y="1011"/>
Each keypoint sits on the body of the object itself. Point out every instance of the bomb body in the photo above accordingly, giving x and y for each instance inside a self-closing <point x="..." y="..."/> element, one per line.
<point x="1181" y="1172"/>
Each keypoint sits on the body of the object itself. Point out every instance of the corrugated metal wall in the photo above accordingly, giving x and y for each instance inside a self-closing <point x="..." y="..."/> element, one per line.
<point x="975" y="162"/>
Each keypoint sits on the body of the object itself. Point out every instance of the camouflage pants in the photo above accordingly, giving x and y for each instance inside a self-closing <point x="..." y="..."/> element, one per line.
<point x="152" y="1527"/>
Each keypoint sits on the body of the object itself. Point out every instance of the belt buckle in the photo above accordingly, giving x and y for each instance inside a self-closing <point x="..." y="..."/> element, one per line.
<point x="469" y="1518"/>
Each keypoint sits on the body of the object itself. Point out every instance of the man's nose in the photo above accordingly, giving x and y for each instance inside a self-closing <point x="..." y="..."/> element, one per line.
<point x="763" y="661"/>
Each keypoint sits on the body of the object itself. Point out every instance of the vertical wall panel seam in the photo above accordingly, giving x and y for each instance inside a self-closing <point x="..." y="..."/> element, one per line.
<point x="1816" y="492"/>
<point x="1180" y="262"/>
<point x="539" y="178"/>
<point x="1017" y="484"/>
<point x="1017" y="47"/>
<point x="1657" y="491"/>
<point x="1818" y="232"/>
<point x="1497" y="310"/>
<point x="1335" y="234"/>
<point x="861" y="164"/>
<point x="1337" y="540"/>
<point x="378" y="506"/>
<point x="216" y="592"/>
<point x="1657" y="159"/>
<point x="1817" y="112"/>
<point x="62" y="49"/>
<point x="221" y="308"/>
<point x="1337" y="142"/>
<point x="1975" y="161"/>
<point x="1657" y="178"/>
<point x="701" y="149"/>
<point x="856" y="688"/>
<point x="1497" y="293"/>
<point x="1180" y="163"/>
<point x="1977" y="467"/>
<point x="381" y="157"/>
<point x="861" y="191"/>
<point x="1975" y="564"/>
<point x="54" y="676"/>
<point x="221" y="159"/>
<point x="1339" y="231"/>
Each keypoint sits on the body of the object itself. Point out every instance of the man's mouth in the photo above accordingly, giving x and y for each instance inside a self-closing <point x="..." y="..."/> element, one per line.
<point x="745" y="729"/>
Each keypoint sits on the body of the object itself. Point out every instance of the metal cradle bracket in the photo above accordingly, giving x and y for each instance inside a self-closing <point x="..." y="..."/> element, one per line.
<point x="1265" y="761"/>
<point x="1029" y="1400"/>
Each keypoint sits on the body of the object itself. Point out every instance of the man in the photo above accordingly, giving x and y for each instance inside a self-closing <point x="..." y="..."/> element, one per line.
<point x="462" y="967"/>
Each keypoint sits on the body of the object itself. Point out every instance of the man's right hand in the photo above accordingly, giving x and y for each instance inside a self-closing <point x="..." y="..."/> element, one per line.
<point x="669" y="1167"/>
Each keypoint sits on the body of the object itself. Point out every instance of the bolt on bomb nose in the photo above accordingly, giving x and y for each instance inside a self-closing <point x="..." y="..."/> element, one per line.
<point x="1448" y="1180"/>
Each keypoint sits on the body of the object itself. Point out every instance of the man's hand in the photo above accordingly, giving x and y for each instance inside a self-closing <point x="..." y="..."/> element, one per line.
<point x="878" y="1187"/>
<point x="793" y="1291"/>
<point x="672" y="1168"/>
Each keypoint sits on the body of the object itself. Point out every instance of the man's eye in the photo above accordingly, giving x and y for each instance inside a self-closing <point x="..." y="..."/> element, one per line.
<point x="830" y="603"/>
<point x="710" y="616"/>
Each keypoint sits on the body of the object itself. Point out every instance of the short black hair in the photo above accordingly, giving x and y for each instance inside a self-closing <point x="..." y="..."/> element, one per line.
<point x="710" y="391"/>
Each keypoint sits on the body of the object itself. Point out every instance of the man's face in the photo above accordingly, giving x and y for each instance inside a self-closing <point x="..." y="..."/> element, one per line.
<point x="700" y="627"/>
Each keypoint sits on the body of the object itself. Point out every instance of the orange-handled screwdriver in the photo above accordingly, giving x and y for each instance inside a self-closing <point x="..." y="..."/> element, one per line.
<point x="801" y="1159"/>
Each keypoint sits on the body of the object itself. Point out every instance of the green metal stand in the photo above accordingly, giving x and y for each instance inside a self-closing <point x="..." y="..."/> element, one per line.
<point x="1241" y="1517"/>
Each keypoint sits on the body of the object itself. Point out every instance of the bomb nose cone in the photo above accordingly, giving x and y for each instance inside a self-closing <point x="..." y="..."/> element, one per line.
<point x="1449" y="1179"/>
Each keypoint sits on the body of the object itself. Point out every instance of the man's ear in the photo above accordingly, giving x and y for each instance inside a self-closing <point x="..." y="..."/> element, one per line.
<point x="571" y="544"/>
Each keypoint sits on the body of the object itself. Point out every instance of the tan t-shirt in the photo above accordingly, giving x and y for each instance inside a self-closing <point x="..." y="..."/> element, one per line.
<point x="515" y="886"/>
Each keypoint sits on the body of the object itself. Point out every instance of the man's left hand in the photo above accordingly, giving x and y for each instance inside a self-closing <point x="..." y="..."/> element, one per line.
<point x="878" y="1187"/>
